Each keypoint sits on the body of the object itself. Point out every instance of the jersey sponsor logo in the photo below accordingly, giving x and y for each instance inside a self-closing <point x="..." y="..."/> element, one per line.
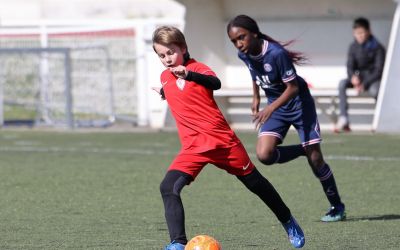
<point x="163" y="83"/>
<point x="263" y="81"/>
<point x="180" y="83"/>
<point x="247" y="166"/>
<point x="267" y="67"/>
<point x="289" y="72"/>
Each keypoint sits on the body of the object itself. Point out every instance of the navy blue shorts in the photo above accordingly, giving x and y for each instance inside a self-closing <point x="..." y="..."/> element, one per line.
<point x="303" y="119"/>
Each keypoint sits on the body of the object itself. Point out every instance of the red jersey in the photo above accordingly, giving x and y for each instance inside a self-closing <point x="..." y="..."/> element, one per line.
<point x="201" y="125"/>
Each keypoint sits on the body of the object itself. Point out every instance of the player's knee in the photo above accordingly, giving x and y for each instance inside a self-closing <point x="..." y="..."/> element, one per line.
<point x="166" y="187"/>
<point x="173" y="183"/>
<point x="314" y="156"/>
<point x="316" y="163"/>
<point x="267" y="158"/>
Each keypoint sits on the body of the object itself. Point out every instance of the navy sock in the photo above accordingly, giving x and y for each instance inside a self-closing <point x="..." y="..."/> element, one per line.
<point x="288" y="153"/>
<point x="325" y="175"/>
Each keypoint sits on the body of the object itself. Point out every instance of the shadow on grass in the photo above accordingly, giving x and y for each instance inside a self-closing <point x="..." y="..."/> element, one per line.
<point x="374" y="217"/>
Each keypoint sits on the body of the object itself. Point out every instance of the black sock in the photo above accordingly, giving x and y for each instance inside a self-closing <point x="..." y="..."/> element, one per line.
<point x="288" y="153"/>
<point x="259" y="185"/>
<point x="325" y="175"/>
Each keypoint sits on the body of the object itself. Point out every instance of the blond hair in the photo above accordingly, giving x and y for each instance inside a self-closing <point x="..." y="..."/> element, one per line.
<point x="170" y="35"/>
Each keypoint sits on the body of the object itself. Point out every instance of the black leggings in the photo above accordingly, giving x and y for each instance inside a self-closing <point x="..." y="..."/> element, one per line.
<point x="174" y="181"/>
<point x="170" y="189"/>
<point x="260" y="186"/>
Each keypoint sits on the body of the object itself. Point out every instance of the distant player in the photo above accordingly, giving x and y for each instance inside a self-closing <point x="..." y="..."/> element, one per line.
<point x="289" y="103"/>
<point x="206" y="137"/>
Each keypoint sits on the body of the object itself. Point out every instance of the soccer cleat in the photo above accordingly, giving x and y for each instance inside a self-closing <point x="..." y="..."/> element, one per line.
<point x="336" y="213"/>
<point x="174" y="246"/>
<point x="295" y="234"/>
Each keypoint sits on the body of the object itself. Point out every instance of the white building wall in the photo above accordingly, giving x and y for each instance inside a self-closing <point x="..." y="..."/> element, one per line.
<point x="322" y="29"/>
<point x="204" y="32"/>
<point x="89" y="9"/>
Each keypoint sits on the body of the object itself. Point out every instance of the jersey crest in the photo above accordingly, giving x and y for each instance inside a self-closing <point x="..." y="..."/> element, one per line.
<point x="180" y="83"/>
<point x="267" y="67"/>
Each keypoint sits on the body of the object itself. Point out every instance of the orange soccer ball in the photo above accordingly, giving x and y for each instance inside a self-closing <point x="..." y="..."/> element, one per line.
<point x="203" y="242"/>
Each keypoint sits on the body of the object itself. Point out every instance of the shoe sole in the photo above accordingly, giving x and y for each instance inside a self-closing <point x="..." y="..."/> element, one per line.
<point x="342" y="218"/>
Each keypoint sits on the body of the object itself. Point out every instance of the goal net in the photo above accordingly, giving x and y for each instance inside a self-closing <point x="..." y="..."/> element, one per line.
<point x="67" y="76"/>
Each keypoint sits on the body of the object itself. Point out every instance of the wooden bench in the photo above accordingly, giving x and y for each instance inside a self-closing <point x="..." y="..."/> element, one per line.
<point x="235" y="104"/>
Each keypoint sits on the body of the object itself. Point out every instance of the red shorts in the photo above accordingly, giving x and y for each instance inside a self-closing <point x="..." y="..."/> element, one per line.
<point x="234" y="160"/>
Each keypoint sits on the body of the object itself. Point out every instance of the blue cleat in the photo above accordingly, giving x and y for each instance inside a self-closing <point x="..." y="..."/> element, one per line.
<point x="336" y="213"/>
<point x="174" y="246"/>
<point x="295" y="234"/>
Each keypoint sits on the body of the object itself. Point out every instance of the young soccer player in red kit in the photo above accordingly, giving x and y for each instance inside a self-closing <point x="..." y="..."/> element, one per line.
<point x="187" y="86"/>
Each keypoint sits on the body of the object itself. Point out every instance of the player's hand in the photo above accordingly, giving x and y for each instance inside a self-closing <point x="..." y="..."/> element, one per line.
<point x="260" y="117"/>
<point x="158" y="90"/>
<point x="179" y="71"/>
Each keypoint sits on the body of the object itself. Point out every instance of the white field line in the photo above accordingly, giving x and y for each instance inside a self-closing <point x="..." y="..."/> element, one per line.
<point x="29" y="149"/>
<point x="360" y="158"/>
<point x="133" y="151"/>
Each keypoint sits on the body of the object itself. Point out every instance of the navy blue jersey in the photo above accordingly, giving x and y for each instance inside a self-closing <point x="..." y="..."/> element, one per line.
<point x="271" y="70"/>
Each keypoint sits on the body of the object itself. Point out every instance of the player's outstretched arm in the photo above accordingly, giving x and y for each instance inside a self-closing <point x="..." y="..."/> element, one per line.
<point x="208" y="81"/>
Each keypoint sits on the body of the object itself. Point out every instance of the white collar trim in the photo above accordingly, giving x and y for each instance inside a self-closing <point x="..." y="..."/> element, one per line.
<point x="263" y="51"/>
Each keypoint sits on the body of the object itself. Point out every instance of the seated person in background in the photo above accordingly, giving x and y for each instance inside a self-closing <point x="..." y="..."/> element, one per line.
<point x="365" y="62"/>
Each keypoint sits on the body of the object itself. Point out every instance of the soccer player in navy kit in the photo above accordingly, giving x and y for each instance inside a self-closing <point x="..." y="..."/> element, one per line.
<point x="187" y="86"/>
<point x="289" y="103"/>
